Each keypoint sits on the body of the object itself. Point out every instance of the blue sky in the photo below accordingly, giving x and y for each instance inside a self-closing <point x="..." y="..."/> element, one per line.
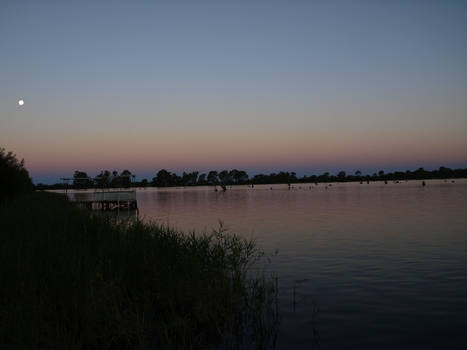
<point x="257" y="85"/>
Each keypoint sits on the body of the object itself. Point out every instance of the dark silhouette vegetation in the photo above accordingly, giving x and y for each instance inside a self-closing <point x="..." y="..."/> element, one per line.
<point x="224" y="178"/>
<point x="14" y="178"/>
<point x="75" y="279"/>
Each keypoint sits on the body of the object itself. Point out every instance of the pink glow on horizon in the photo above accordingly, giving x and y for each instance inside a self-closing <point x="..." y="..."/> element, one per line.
<point x="324" y="143"/>
<point x="283" y="156"/>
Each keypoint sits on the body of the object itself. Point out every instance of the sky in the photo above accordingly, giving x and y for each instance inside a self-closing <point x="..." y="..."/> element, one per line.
<point x="304" y="86"/>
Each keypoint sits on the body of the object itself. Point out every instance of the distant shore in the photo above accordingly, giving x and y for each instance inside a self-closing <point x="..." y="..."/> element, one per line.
<point x="224" y="178"/>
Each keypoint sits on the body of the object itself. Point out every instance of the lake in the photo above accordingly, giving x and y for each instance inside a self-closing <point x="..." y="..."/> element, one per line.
<point x="359" y="265"/>
<point x="371" y="264"/>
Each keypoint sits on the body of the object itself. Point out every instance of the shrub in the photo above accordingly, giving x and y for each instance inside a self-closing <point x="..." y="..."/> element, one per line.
<point x="73" y="279"/>
<point x="14" y="178"/>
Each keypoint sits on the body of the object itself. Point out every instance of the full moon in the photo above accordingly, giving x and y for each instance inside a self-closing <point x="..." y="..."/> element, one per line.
<point x="21" y="102"/>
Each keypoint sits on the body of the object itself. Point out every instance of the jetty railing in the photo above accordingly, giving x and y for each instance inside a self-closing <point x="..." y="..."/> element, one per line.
<point x="115" y="196"/>
<point x="108" y="200"/>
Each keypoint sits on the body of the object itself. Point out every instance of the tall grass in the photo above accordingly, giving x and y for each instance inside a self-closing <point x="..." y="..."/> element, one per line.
<point x="71" y="279"/>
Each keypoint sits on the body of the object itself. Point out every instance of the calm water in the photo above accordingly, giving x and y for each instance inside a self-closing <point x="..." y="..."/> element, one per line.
<point x="371" y="265"/>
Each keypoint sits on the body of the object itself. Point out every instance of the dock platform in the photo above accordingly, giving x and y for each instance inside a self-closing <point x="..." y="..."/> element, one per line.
<point x="106" y="200"/>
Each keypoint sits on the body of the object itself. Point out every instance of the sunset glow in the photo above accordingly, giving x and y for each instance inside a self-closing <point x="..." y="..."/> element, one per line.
<point x="151" y="87"/>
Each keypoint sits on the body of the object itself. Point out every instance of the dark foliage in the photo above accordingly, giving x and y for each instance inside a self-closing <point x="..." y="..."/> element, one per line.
<point x="165" y="178"/>
<point x="71" y="279"/>
<point x="14" y="178"/>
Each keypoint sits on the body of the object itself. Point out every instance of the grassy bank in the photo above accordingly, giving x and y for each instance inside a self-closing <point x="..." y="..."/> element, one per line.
<point x="71" y="279"/>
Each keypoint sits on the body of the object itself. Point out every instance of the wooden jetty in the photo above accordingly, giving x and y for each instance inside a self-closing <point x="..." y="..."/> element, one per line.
<point x="106" y="200"/>
<point x="104" y="197"/>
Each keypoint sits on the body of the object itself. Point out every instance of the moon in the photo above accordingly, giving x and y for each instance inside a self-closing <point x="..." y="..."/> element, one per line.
<point x="21" y="102"/>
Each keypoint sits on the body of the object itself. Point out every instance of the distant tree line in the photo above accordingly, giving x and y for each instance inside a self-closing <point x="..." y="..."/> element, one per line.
<point x="224" y="178"/>
<point x="104" y="179"/>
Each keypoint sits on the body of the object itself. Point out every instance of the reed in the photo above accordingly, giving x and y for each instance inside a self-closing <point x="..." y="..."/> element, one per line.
<point x="72" y="279"/>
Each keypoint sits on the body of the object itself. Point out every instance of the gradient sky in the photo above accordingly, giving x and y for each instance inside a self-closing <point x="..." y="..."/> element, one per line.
<point x="305" y="86"/>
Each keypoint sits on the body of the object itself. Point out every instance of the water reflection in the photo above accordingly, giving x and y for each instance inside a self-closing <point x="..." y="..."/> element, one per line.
<point x="381" y="262"/>
<point x="359" y="264"/>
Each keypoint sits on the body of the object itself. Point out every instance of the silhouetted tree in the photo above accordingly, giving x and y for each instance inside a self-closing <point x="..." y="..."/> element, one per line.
<point x="324" y="177"/>
<point x="14" y="178"/>
<point x="194" y="177"/>
<point x="233" y="176"/>
<point x="114" y="180"/>
<point x="202" y="179"/>
<point x="259" y="179"/>
<point x="237" y="177"/>
<point x="125" y="178"/>
<point x="185" y="178"/>
<point x="189" y="179"/>
<point x="163" y="179"/>
<point x="103" y="179"/>
<point x="241" y="177"/>
<point x="213" y="177"/>
<point x="81" y="180"/>
<point x="445" y="173"/>
<point x="419" y="174"/>
<point x="224" y="177"/>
